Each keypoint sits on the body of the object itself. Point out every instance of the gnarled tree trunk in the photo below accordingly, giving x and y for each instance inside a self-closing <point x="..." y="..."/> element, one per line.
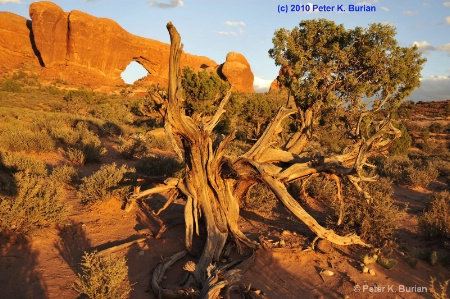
<point x="213" y="198"/>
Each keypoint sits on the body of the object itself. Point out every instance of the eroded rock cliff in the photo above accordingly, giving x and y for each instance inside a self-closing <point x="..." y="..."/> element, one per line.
<point x="85" y="50"/>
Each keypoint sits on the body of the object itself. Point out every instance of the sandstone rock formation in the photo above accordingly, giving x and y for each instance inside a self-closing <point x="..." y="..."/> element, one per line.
<point x="16" y="48"/>
<point x="238" y="72"/>
<point x="85" y="50"/>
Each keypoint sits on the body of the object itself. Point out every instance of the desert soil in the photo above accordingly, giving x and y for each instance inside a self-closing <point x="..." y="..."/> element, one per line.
<point x="44" y="264"/>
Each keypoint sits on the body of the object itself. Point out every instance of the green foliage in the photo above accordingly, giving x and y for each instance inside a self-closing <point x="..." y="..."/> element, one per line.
<point x="324" y="62"/>
<point x="13" y="138"/>
<point x="435" y="220"/>
<point x="401" y="145"/>
<point x="321" y="188"/>
<point x="202" y="90"/>
<point x="19" y="163"/>
<point x="109" y="181"/>
<point x="160" y="166"/>
<point x="65" y="174"/>
<point x="37" y="204"/>
<point x="103" y="277"/>
<point x="10" y="85"/>
<point x="260" y="198"/>
<point x="257" y="110"/>
<point x="76" y="156"/>
<point x="393" y="167"/>
<point x="374" y="220"/>
<point x="422" y="176"/>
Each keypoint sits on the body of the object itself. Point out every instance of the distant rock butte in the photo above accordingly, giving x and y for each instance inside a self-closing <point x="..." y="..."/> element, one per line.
<point x="85" y="50"/>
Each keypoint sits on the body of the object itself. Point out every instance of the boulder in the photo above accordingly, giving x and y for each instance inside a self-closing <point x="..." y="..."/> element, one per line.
<point x="237" y="71"/>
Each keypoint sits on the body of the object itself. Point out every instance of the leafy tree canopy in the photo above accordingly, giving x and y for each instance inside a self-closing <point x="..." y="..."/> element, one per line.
<point x="324" y="63"/>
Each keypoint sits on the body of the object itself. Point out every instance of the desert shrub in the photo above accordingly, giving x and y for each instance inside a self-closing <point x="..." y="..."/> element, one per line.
<point x="18" y="163"/>
<point x="91" y="151"/>
<point x="422" y="176"/>
<point x="65" y="174"/>
<point x="374" y="220"/>
<point x="442" y="166"/>
<point x="158" y="142"/>
<point x="260" y="198"/>
<point x="76" y="156"/>
<point x="21" y="139"/>
<point x="103" y="277"/>
<point x="201" y="90"/>
<point x="10" y="85"/>
<point x="393" y="167"/>
<point x="37" y="204"/>
<point x="401" y="145"/>
<point x="112" y="129"/>
<point x="132" y="147"/>
<point x="165" y="166"/>
<point x="321" y="188"/>
<point x="435" y="220"/>
<point x="107" y="182"/>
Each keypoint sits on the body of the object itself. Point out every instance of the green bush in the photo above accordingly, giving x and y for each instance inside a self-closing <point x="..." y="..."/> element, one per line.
<point x="65" y="174"/>
<point x="260" y="198"/>
<point x="161" y="166"/>
<point x="18" y="163"/>
<point x="37" y="204"/>
<point x="10" y="85"/>
<point x="76" y="156"/>
<point x="21" y="139"/>
<point x="374" y="220"/>
<point x="401" y="145"/>
<point x="321" y="188"/>
<point x="435" y="220"/>
<point x="103" y="277"/>
<point x="422" y="176"/>
<point x="393" y="167"/>
<point x="109" y="181"/>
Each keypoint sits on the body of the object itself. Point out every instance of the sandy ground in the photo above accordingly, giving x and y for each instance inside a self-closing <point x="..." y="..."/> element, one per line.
<point x="44" y="265"/>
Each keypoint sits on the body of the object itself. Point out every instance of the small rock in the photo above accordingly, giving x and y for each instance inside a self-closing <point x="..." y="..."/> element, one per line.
<point x="286" y="233"/>
<point x="141" y="253"/>
<point x="365" y="269"/>
<point x="282" y="243"/>
<point x="372" y="272"/>
<point x="257" y="292"/>
<point x="328" y="273"/>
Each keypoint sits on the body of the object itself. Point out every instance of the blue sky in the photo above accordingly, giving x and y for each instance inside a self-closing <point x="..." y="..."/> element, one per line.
<point x="215" y="27"/>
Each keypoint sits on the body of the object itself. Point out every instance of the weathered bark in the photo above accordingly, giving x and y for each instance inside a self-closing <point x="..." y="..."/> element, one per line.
<point x="212" y="200"/>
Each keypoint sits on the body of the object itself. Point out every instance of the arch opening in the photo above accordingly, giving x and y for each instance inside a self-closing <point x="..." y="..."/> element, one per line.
<point x="133" y="72"/>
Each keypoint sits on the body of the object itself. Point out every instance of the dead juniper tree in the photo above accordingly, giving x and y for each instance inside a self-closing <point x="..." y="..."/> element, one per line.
<point x="324" y="66"/>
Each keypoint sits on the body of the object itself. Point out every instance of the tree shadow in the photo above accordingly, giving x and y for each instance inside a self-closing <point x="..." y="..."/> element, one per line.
<point x="18" y="275"/>
<point x="72" y="244"/>
<point x="8" y="184"/>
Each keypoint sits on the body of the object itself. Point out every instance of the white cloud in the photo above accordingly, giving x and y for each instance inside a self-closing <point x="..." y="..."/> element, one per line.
<point x="10" y="1"/>
<point x="424" y="46"/>
<point x="410" y="13"/>
<point x="447" y="20"/>
<point x="426" y="4"/>
<point x="445" y="48"/>
<point x="234" y="24"/>
<point x="433" y="88"/>
<point x="367" y="2"/>
<point x="227" y="33"/>
<point x="261" y="85"/>
<point x="166" y="4"/>
<point x="384" y="8"/>
<point x="446" y="4"/>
